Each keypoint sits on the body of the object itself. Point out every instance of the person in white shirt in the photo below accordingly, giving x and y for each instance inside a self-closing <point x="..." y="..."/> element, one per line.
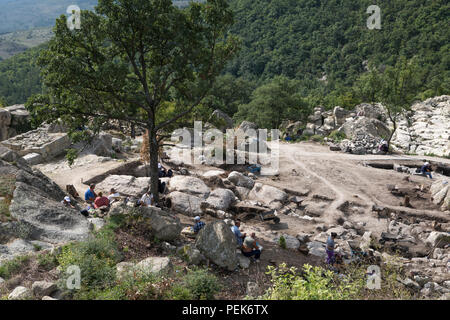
<point x="147" y="199"/>
<point x="113" y="196"/>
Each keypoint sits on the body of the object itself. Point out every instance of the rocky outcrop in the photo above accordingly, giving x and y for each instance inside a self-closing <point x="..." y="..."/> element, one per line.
<point x="440" y="193"/>
<point x="217" y="242"/>
<point x="426" y="129"/>
<point x="268" y="195"/>
<point x="14" y="120"/>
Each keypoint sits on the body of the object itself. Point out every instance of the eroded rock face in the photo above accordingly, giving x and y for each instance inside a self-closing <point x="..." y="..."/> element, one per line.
<point x="426" y="129"/>
<point x="217" y="242"/>
<point x="228" y="122"/>
<point x="440" y="193"/>
<point x="36" y="205"/>
<point x="13" y="121"/>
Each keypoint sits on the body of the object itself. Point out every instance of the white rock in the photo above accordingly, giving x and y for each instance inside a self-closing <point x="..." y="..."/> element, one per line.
<point x="20" y="293"/>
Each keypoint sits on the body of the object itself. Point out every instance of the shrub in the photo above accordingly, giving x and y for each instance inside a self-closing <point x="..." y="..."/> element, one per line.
<point x="316" y="283"/>
<point x="337" y="136"/>
<point x="197" y="284"/>
<point x="96" y="259"/>
<point x="47" y="261"/>
<point x="12" y="267"/>
<point x="316" y="138"/>
<point x="282" y="242"/>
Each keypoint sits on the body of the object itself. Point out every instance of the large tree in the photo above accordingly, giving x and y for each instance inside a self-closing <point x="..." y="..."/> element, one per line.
<point x="146" y="62"/>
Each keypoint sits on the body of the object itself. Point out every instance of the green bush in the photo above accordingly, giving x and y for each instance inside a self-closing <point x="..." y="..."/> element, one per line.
<point x="198" y="284"/>
<point x="47" y="261"/>
<point x="96" y="259"/>
<point x="337" y="136"/>
<point x="316" y="138"/>
<point x="13" y="267"/>
<point x="282" y="242"/>
<point x="316" y="283"/>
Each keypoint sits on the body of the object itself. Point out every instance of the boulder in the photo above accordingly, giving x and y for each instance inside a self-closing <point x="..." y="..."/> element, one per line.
<point x="153" y="265"/>
<point x="224" y="118"/>
<point x="43" y="288"/>
<point x="340" y="115"/>
<point x="20" y="293"/>
<point x="118" y="208"/>
<point x="48" y="298"/>
<point x="186" y="203"/>
<point x="165" y="227"/>
<point x="101" y="145"/>
<point x="267" y="194"/>
<point x="239" y="180"/>
<point x="191" y="254"/>
<point x="243" y="261"/>
<point x="317" y="249"/>
<point x="220" y="199"/>
<point x="291" y="242"/>
<point x="217" y="242"/>
<point x="213" y="173"/>
<point x="438" y="239"/>
<point x="125" y="185"/>
<point x="190" y="185"/>
<point x="124" y="270"/>
<point x="246" y="125"/>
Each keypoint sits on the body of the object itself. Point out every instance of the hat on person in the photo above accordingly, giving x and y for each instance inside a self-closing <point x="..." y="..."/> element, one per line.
<point x="197" y="218"/>
<point x="427" y="163"/>
<point x="67" y="198"/>
<point x="159" y="165"/>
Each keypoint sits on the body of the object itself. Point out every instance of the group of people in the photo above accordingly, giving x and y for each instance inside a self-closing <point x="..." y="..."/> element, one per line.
<point x="247" y="243"/>
<point x="100" y="201"/>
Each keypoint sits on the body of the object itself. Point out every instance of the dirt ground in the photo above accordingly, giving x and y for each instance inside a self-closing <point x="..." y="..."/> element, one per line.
<point x="342" y="187"/>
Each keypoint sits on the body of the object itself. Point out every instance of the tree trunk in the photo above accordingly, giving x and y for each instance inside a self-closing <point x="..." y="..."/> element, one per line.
<point x="154" y="176"/>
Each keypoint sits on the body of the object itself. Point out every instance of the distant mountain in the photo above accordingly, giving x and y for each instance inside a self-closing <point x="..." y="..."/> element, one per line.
<point x="30" y="14"/>
<point x="18" y="41"/>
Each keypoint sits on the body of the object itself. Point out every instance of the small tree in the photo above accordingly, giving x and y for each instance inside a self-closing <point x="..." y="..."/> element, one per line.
<point x="128" y="60"/>
<point x="394" y="87"/>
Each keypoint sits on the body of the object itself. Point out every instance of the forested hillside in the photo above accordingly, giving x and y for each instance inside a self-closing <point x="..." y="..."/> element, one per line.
<point x="19" y="77"/>
<point x="324" y="45"/>
<point x="310" y="39"/>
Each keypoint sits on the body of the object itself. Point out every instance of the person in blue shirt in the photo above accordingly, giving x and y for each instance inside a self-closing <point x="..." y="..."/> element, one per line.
<point x="239" y="236"/>
<point x="426" y="170"/>
<point x="90" y="195"/>
<point x="198" y="224"/>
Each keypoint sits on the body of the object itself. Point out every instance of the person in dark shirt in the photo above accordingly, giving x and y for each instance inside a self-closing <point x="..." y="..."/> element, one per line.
<point x="198" y="224"/>
<point x="426" y="170"/>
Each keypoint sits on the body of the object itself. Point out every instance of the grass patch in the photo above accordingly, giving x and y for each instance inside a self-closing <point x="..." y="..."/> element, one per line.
<point x="337" y="136"/>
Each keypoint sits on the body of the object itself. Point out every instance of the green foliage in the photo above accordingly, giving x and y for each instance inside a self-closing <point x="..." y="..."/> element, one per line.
<point x="316" y="283"/>
<point x="337" y="135"/>
<point x="96" y="259"/>
<point x="316" y="138"/>
<point x="198" y="284"/>
<point x="19" y="77"/>
<point x="282" y="242"/>
<point x="11" y="267"/>
<point x="47" y="261"/>
<point x="71" y="155"/>
<point x="274" y="102"/>
<point x="307" y="39"/>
